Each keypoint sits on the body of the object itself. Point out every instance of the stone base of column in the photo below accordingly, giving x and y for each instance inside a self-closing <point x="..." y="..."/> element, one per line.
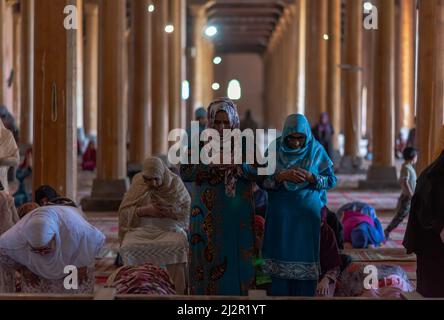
<point x="380" y="177"/>
<point x="351" y="165"/>
<point x="107" y="195"/>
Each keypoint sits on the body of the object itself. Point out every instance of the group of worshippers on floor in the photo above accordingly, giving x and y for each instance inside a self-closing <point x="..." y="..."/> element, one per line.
<point x="223" y="229"/>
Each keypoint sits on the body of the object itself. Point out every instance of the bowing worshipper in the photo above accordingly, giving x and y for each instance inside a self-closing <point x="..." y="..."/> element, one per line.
<point x="153" y="221"/>
<point x="8" y="213"/>
<point x="27" y="208"/>
<point x="146" y="279"/>
<point x="46" y="195"/>
<point x="362" y="227"/>
<point x="42" y="244"/>
<point x="425" y="230"/>
<point x="9" y="154"/>
<point x="222" y="239"/>
<point x="329" y="258"/>
<point x="296" y="193"/>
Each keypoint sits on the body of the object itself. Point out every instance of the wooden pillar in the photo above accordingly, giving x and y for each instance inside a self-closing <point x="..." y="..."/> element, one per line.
<point x="27" y="74"/>
<point x="176" y="63"/>
<point x="316" y="60"/>
<point x="111" y="183"/>
<point x="352" y="73"/>
<point x="160" y="78"/>
<point x="16" y="107"/>
<point x="141" y="123"/>
<point x="301" y="55"/>
<point x="407" y="59"/>
<point x="91" y="71"/>
<point x="6" y="54"/>
<point x="382" y="172"/>
<point x="204" y="70"/>
<point x="368" y="79"/>
<point x="430" y="82"/>
<point x="55" y="102"/>
<point x="334" y="71"/>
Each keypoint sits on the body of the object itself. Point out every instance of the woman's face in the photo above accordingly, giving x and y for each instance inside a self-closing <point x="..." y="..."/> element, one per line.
<point x="221" y="122"/>
<point x="152" y="182"/>
<point x="45" y="250"/>
<point x="295" y="140"/>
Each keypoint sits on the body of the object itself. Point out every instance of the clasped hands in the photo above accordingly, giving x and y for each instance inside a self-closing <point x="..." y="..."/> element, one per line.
<point x="153" y="211"/>
<point x="296" y="175"/>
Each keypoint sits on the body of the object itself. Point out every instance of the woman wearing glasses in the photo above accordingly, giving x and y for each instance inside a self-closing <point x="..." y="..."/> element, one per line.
<point x="42" y="244"/>
<point x="296" y="193"/>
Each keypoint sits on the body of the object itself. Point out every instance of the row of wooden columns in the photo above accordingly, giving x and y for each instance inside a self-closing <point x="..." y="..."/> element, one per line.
<point x="381" y="59"/>
<point x="62" y="72"/>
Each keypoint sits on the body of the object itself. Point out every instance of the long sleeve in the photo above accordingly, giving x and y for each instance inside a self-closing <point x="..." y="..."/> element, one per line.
<point x="325" y="180"/>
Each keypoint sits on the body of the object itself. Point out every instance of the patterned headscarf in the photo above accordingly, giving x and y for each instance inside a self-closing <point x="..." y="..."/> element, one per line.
<point x="227" y="105"/>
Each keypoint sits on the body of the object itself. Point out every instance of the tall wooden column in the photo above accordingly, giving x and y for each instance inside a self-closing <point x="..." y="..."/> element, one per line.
<point x="27" y="75"/>
<point x="382" y="172"/>
<point x="204" y="71"/>
<point x="55" y="97"/>
<point x="302" y="50"/>
<point x="352" y="73"/>
<point x="160" y="78"/>
<point x="334" y="71"/>
<point x="430" y="82"/>
<point x="407" y="62"/>
<point x="111" y="183"/>
<point x="16" y="107"/>
<point x="316" y="60"/>
<point x="141" y="123"/>
<point x="91" y="69"/>
<point x="176" y="73"/>
<point x="6" y="54"/>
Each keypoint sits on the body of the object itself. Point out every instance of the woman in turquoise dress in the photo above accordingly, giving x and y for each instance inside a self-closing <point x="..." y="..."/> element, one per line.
<point x="221" y="232"/>
<point x="297" y="193"/>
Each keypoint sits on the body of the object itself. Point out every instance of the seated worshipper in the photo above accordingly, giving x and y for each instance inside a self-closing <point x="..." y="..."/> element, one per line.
<point x="362" y="227"/>
<point x="46" y="196"/>
<point x="42" y="244"/>
<point x="89" y="157"/>
<point x="425" y="230"/>
<point x="24" y="176"/>
<point x="146" y="279"/>
<point x="153" y="221"/>
<point x="329" y="258"/>
<point x="9" y="154"/>
<point x="8" y="214"/>
<point x="297" y="192"/>
<point x="392" y="281"/>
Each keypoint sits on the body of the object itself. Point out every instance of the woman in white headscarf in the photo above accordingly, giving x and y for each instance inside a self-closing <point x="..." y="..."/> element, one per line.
<point x="153" y="221"/>
<point x="42" y="244"/>
<point x="9" y="154"/>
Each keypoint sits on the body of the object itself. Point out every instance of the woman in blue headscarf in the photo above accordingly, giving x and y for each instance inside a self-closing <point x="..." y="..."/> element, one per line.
<point x="297" y="193"/>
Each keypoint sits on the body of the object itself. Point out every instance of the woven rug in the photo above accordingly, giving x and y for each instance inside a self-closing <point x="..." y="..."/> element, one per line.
<point x="381" y="255"/>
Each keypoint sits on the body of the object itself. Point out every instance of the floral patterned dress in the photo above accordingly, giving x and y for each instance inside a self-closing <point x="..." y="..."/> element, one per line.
<point x="221" y="233"/>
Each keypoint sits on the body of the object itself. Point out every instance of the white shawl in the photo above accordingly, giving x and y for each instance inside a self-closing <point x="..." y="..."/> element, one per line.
<point x="76" y="241"/>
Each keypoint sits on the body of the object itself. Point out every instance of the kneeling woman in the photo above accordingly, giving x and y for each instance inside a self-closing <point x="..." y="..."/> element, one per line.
<point x="153" y="219"/>
<point x="42" y="244"/>
<point x="297" y="193"/>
